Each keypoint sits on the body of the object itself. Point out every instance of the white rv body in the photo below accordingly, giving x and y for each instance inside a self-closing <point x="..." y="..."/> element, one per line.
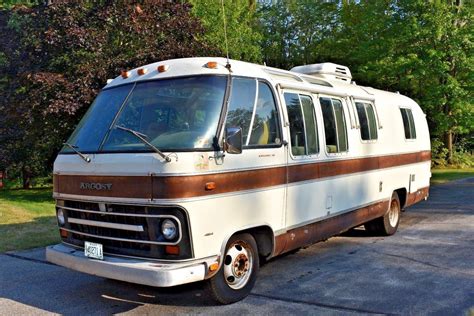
<point x="285" y="200"/>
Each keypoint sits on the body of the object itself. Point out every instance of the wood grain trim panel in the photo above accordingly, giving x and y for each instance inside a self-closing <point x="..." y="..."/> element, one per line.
<point x="417" y="196"/>
<point x="318" y="231"/>
<point x="121" y="186"/>
<point x="193" y="186"/>
<point x="170" y="187"/>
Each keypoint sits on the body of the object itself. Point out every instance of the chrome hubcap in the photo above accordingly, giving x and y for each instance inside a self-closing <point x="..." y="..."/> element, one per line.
<point x="393" y="213"/>
<point x="238" y="265"/>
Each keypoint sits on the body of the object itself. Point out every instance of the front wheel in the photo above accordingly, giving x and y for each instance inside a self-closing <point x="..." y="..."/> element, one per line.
<point x="388" y="224"/>
<point x="238" y="272"/>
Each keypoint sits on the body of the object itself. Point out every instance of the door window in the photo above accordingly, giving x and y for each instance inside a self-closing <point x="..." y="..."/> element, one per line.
<point x="334" y="125"/>
<point x="303" y="127"/>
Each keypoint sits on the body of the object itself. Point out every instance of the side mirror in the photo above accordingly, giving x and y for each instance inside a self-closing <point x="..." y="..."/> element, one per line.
<point x="233" y="140"/>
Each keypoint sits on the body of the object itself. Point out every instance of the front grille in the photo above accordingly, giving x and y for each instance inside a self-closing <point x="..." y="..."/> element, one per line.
<point x="131" y="230"/>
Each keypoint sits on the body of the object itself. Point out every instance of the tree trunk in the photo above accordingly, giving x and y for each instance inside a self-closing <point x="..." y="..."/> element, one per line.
<point x="26" y="177"/>
<point x="448" y="141"/>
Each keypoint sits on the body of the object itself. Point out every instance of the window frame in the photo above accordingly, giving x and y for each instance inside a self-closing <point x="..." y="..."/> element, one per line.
<point x="344" y="112"/>
<point x="406" y="108"/>
<point x="316" y="127"/>
<point x="377" y="126"/>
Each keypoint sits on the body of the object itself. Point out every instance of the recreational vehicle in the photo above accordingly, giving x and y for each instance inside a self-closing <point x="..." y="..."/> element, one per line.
<point x="201" y="168"/>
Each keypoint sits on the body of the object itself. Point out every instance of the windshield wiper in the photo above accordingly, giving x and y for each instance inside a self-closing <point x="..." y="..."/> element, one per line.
<point x="143" y="138"/>
<point x="73" y="147"/>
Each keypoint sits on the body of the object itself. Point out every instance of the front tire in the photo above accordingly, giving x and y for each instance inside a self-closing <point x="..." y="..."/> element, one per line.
<point x="388" y="224"/>
<point x="238" y="273"/>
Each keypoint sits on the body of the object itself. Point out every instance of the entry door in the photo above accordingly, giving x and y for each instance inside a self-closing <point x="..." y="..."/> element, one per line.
<point x="305" y="199"/>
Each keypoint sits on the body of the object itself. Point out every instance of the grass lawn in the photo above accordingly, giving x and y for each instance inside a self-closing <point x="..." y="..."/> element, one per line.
<point x="27" y="219"/>
<point x="445" y="175"/>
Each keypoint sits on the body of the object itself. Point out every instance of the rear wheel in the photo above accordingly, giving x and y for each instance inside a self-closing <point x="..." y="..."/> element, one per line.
<point x="238" y="272"/>
<point x="388" y="224"/>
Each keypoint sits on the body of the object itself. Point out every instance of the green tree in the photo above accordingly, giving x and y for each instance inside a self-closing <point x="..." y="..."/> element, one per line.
<point x="294" y="32"/>
<point x="424" y="49"/>
<point x="241" y="27"/>
<point x="55" y="58"/>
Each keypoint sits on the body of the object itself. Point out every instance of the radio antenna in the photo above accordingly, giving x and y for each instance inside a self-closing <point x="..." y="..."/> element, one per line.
<point x="225" y="36"/>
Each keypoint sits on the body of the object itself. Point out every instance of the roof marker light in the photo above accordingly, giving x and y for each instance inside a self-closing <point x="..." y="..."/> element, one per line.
<point x="162" y="68"/>
<point x="125" y="74"/>
<point x="141" y="71"/>
<point x="211" y="65"/>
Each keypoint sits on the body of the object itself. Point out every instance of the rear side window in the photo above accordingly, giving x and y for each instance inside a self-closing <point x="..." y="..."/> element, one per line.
<point x="303" y="127"/>
<point x="368" y="125"/>
<point x="408" y="123"/>
<point x="334" y="125"/>
<point x="252" y="107"/>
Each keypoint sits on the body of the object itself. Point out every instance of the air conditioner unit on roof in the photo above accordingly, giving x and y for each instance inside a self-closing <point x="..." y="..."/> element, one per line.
<point x="325" y="70"/>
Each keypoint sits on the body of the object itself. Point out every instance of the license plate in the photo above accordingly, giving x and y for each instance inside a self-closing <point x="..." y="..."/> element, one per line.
<point x="93" y="250"/>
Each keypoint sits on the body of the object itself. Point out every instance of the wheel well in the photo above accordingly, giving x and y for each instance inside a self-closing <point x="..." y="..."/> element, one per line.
<point x="263" y="237"/>
<point x="402" y="195"/>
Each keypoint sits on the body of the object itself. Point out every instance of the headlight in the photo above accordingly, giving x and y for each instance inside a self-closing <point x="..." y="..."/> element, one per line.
<point x="169" y="230"/>
<point x="60" y="215"/>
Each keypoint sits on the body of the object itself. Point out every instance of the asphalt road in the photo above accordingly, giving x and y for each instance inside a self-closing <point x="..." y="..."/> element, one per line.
<point x="426" y="268"/>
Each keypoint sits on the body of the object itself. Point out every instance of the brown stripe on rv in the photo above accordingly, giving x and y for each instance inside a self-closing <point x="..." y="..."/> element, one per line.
<point x="121" y="186"/>
<point x="417" y="196"/>
<point x="321" y="230"/>
<point x="311" y="233"/>
<point x="168" y="187"/>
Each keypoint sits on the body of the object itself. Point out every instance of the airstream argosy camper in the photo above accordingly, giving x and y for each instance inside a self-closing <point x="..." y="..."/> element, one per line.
<point x="200" y="168"/>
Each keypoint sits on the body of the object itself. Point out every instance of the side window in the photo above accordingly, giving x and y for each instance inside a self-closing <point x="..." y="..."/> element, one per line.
<point x="252" y="107"/>
<point x="368" y="125"/>
<point x="408" y="123"/>
<point x="334" y="125"/>
<point x="303" y="128"/>
<point x="242" y="101"/>
<point x="265" y="129"/>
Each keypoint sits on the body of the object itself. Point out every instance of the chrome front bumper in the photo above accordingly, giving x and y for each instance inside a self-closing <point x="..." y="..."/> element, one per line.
<point x="139" y="271"/>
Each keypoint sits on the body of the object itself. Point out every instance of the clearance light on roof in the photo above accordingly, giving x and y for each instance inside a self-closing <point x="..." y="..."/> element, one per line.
<point x="162" y="68"/>
<point x="142" y="71"/>
<point x="211" y="65"/>
<point x="125" y="74"/>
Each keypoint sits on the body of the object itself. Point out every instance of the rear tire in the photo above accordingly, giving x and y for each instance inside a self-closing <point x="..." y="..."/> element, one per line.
<point x="238" y="273"/>
<point x="388" y="224"/>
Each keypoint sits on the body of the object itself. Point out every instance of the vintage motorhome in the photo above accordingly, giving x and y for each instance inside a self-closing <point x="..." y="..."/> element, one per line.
<point x="200" y="168"/>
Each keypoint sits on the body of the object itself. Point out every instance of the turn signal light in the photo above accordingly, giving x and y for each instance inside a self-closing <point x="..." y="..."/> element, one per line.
<point x="211" y="65"/>
<point x="213" y="267"/>
<point x="63" y="233"/>
<point x="162" y="68"/>
<point x="172" y="250"/>
<point x="141" y="71"/>
<point x="125" y="74"/>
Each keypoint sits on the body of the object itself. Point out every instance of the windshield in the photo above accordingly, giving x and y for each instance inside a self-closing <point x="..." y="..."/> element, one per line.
<point x="174" y="114"/>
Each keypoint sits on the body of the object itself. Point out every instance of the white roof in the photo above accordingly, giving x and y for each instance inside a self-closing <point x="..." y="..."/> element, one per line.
<point x="197" y="66"/>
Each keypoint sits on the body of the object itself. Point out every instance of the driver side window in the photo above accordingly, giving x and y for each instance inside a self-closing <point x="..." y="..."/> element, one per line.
<point x="252" y="107"/>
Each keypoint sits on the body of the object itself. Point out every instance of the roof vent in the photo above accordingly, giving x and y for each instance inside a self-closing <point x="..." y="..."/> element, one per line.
<point x="325" y="70"/>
